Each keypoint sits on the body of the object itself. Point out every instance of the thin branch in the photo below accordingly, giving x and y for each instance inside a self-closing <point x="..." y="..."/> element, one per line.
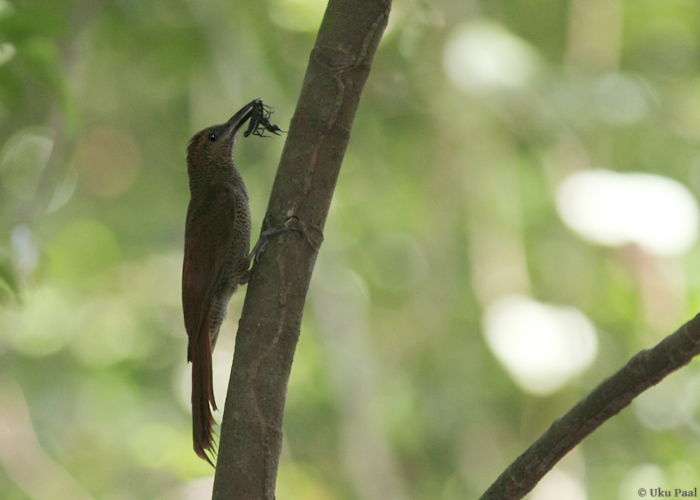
<point x="644" y="370"/>
<point x="251" y="431"/>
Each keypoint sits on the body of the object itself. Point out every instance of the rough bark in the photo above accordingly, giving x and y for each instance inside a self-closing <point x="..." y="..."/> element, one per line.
<point x="251" y="430"/>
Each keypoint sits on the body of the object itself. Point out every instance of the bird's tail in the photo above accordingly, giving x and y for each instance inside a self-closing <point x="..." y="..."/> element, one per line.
<point x="203" y="396"/>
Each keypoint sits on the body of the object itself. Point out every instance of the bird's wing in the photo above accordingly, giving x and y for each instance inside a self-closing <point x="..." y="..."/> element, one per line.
<point x="208" y="237"/>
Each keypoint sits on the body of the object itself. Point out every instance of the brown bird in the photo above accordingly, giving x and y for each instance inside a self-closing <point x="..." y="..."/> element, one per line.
<point x="217" y="240"/>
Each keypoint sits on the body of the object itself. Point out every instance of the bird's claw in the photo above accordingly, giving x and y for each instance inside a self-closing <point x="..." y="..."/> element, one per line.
<point x="300" y="226"/>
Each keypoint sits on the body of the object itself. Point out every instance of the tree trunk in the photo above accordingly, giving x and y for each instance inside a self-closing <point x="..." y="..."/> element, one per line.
<point x="251" y="431"/>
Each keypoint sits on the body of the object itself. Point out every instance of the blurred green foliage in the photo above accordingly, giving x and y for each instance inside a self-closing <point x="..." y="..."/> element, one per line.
<point x="446" y="201"/>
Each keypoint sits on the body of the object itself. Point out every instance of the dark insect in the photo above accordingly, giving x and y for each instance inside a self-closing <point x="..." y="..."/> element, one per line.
<point x="260" y="121"/>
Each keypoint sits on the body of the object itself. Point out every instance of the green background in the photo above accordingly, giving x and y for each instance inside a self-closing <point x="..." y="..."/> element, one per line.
<point x="446" y="201"/>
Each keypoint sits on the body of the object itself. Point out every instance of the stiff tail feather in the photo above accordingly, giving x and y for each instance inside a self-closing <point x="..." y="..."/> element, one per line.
<point x="203" y="396"/>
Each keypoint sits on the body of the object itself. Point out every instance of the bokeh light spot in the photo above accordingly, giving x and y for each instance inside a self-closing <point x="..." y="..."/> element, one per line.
<point x="22" y="161"/>
<point x="557" y="485"/>
<point x="24" y="248"/>
<point x="484" y="56"/>
<point x="620" y="99"/>
<point x="540" y="345"/>
<point x="42" y="327"/>
<point x="7" y="52"/>
<point x="609" y="208"/>
<point x="647" y="475"/>
<point x="668" y="405"/>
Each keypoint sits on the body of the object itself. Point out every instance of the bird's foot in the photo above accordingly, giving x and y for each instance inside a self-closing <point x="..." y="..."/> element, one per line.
<point x="291" y="223"/>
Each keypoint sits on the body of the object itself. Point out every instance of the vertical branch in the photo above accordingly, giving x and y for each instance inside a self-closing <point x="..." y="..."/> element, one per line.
<point x="251" y="431"/>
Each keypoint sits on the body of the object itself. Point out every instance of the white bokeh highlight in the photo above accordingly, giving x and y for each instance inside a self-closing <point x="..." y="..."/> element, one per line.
<point x="669" y="405"/>
<point x="540" y="345"/>
<point x="483" y="56"/>
<point x="558" y="485"/>
<point x="610" y="208"/>
<point x="620" y="99"/>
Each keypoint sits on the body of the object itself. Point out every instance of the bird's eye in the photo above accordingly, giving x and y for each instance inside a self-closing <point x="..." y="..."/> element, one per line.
<point x="212" y="137"/>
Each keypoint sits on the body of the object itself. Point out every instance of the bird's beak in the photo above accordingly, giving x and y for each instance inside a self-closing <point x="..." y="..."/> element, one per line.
<point x="237" y="120"/>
